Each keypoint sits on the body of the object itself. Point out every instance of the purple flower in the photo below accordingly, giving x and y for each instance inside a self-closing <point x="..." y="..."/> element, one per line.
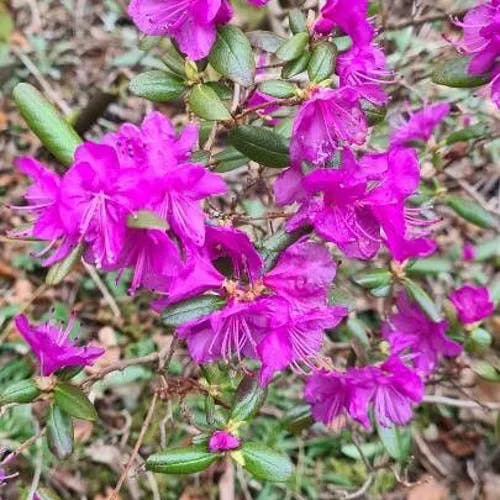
<point x="258" y="98"/>
<point x="192" y="23"/>
<point x="364" y="68"/>
<point x="411" y="329"/>
<point x="288" y="186"/>
<point x="328" y="120"/>
<point x="391" y="388"/>
<point x="394" y="388"/>
<point x="468" y="252"/>
<point x="420" y="124"/>
<point x="222" y="441"/>
<point x="472" y="303"/>
<point x="97" y="197"/>
<point x="43" y="198"/>
<point x="348" y="15"/>
<point x="481" y="27"/>
<point x="258" y="3"/>
<point x="53" y="348"/>
<point x="340" y="215"/>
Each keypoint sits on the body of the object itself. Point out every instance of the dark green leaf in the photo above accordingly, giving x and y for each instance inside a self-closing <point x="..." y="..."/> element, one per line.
<point x="297" y="21"/>
<point x="455" y="74"/>
<point x="272" y="246"/>
<point x="477" y="131"/>
<point x="45" y="121"/>
<point x="23" y="391"/>
<point x="190" y="309"/>
<point x="261" y="145"/>
<point x="396" y="441"/>
<point x="265" y="40"/>
<point x="374" y="114"/>
<point x="293" y="48"/>
<point x="146" y="219"/>
<point x="369" y="450"/>
<point x="358" y="331"/>
<point x="298" y="419"/>
<point x="157" y="86"/>
<point x="421" y="297"/>
<point x="232" y="55"/>
<point x="372" y="278"/>
<point x="229" y="159"/>
<point x="73" y="401"/>
<point x="266" y="464"/>
<point x="249" y="397"/>
<point x="59" y="433"/>
<point x="485" y="370"/>
<point x="295" y="67"/>
<point x="174" y="61"/>
<point x="205" y="103"/>
<point x="471" y="211"/>
<point x="278" y="88"/>
<point x="223" y="91"/>
<point x="322" y="62"/>
<point x="62" y="268"/>
<point x="187" y="460"/>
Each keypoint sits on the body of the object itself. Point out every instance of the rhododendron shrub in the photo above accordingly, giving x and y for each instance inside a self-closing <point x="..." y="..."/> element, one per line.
<point x="240" y="222"/>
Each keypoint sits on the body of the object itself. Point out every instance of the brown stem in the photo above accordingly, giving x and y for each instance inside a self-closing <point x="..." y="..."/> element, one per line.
<point x="423" y="20"/>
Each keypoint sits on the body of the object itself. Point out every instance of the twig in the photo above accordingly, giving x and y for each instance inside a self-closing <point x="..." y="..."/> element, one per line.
<point x="461" y="403"/>
<point x="364" y="488"/>
<point x="135" y="451"/>
<point x="38" y="471"/>
<point x="428" y="454"/>
<point x="22" y="447"/>
<point x="423" y="20"/>
<point x="292" y="101"/>
<point x="103" y="289"/>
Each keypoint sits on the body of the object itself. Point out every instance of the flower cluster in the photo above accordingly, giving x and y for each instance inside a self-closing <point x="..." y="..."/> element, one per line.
<point x="191" y="23"/>
<point x="481" y="41"/>
<point x="97" y="200"/>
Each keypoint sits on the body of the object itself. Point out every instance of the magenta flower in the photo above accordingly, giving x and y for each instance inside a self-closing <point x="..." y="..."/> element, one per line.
<point x="420" y="124"/>
<point x="43" y="198"/>
<point x="258" y="3"/>
<point x="481" y="27"/>
<point x="394" y="388"/>
<point x="192" y="23"/>
<point x="411" y="329"/>
<point x="328" y="120"/>
<point x="340" y="215"/>
<point x="468" y="252"/>
<point x="258" y="98"/>
<point x="472" y="303"/>
<point x="348" y="15"/>
<point x="98" y="196"/>
<point x="364" y="68"/>
<point x="329" y="394"/>
<point x="53" y="348"/>
<point x="222" y="441"/>
<point x="288" y="186"/>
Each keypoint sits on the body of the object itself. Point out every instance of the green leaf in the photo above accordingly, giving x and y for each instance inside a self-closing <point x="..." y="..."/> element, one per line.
<point x="229" y="159"/>
<point x="421" y="297"/>
<point x="298" y="419"/>
<point x="23" y="391"/>
<point x="73" y="401"/>
<point x="205" y="103"/>
<point x="6" y="24"/>
<point x="59" y="433"/>
<point x="358" y="330"/>
<point x="293" y="48"/>
<point x="278" y="88"/>
<point x="485" y="370"/>
<point x="374" y="114"/>
<point x="369" y="450"/>
<point x="372" y="278"/>
<point x="430" y="265"/>
<point x="44" y="120"/>
<point x="272" y="246"/>
<point x="62" y="268"/>
<point x="187" y="460"/>
<point x="295" y="67"/>
<point x="174" y="61"/>
<point x="261" y="145"/>
<point x="396" y="441"/>
<point x="455" y="74"/>
<point x="266" y="464"/>
<point x="190" y="309"/>
<point x="322" y="62"/>
<point x="471" y="211"/>
<point x="477" y="131"/>
<point x="232" y="55"/>
<point x="297" y="21"/>
<point x="145" y="219"/>
<point x="248" y="399"/>
<point x="478" y="340"/>
<point x="157" y="86"/>
<point x="265" y="40"/>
